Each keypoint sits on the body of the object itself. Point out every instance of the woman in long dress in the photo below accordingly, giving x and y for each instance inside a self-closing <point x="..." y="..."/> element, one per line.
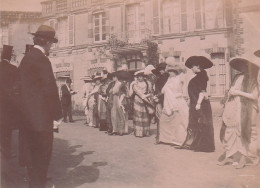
<point x="240" y="112"/>
<point x="141" y="118"/>
<point x="118" y="118"/>
<point x="174" y="117"/>
<point x="200" y="132"/>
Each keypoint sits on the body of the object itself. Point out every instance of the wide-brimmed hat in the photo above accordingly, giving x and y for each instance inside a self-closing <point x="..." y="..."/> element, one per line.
<point x="46" y="32"/>
<point x="257" y="53"/>
<point x="139" y="73"/>
<point x="98" y="76"/>
<point x="123" y="75"/>
<point x="243" y="64"/>
<point x="7" y="52"/>
<point x="148" y="69"/>
<point x="202" y="61"/>
<point x="159" y="67"/>
<point x="87" y="79"/>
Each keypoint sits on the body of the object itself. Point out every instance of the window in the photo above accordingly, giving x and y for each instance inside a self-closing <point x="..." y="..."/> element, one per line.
<point x="61" y="5"/>
<point x="132" y="21"/>
<point x="171" y="16"/>
<point x="62" y="32"/>
<point x="135" y="65"/>
<point x="47" y="8"/>
<point x="78" y="3"/>
<point x="184" y="19"/>
<point x="99" y="27"/>
<point x="214" y="14"/>
<point x="5" y="36"/>
<point x="198" y="12"/>
<point x="218" y="75"/>
<point x="228" y="12"/>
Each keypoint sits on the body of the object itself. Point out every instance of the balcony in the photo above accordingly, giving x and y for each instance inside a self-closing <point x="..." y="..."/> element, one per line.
<point x="134" y="40"/>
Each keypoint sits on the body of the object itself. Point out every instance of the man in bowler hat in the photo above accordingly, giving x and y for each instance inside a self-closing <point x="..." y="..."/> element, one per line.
<point x="66" y="102"/>
<point x="40" y="103"/>
<point x="8" y="75"/>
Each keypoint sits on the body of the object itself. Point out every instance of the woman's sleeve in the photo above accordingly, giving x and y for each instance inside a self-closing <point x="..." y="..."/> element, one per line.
<point x="202" y="81"/>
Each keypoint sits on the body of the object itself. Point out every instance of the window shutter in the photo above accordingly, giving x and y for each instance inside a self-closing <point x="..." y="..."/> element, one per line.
<point x="184" y="19"/>
<point x="155" y="17"/>
<point x="71" y="29"/>
<point x="90" y="26"/>
<point x="107" y="25"/>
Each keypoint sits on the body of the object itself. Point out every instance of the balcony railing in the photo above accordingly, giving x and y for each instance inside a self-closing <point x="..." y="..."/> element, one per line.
<point x="129" y="38"/>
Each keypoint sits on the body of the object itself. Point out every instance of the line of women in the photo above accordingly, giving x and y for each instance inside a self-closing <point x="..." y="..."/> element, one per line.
<point x="156" y="94"/>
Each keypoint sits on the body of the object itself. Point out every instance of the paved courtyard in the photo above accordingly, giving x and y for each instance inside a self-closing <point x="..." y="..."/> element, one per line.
<point x="84" y="157"/>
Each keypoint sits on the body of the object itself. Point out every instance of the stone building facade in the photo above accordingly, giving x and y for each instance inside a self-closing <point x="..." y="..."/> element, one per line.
<point x="14" y="29"/>
<point x="113" y="34"/>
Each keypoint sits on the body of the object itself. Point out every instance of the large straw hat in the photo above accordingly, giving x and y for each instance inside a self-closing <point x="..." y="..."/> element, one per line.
<point x="148" y="69"/>
<point x="139" y="73"/>
<point x="244" y="64"/>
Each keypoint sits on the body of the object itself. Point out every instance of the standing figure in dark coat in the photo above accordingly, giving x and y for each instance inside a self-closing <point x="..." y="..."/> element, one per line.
<point x="8" y="74"/>
<point x="40" y="103"/>
<point x="66" y="93"/>
<point x="200" y="133"/>
<point x="159" y="83"/>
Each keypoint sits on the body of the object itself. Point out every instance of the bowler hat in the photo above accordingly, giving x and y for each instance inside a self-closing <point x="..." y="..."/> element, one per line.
<point x="7" y="52"/>
<point x="257" y="53"/>
<point x="46" y="32"/>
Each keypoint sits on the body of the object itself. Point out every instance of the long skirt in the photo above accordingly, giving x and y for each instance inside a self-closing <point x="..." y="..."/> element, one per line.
<point x="200" y="132"/>
<point x="117" y="116"/>
<point x="172" y="129"/>
<point x="141" y="118"/>
<point x="102" y="115"/>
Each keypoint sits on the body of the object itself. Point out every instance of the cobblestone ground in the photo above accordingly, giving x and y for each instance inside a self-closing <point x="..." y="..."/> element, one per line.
<point x="84" y="157"/>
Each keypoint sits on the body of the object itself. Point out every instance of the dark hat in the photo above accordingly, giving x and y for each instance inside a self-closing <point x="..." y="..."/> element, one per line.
<point x="46" y="32"/>
<point x="242" y="64"/>
<point x="7" y="52"/>
<point x="161" y="66"/>
<point x="68" y="80"/>
<point x="257" y="53"/>
<point x="202" y="61"/>
<point x="28" y="48"/>
<point x="98" y="76"/>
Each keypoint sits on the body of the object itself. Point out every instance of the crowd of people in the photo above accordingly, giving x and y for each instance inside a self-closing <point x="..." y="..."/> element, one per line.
<point x="154" y="94"/>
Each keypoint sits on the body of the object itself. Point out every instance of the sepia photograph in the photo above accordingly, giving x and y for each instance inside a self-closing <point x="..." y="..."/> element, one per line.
<point x="130" y="93"/>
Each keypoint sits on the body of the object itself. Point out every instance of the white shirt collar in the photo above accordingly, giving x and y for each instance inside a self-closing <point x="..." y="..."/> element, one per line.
<point x="40" y="48"/>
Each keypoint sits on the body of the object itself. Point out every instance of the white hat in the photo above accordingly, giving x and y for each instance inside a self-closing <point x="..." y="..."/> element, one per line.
<point x="148" y="69"/>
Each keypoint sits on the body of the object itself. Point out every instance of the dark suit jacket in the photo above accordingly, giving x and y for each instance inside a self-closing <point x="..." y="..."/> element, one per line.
<point x="65" y="95"/>
<point x="8" y="106"/>
<point x="39" y="92"/>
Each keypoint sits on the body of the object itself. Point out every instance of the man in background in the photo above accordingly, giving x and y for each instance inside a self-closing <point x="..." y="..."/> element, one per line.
<point x="8" y="75"/>
<point x="66" y="102"/>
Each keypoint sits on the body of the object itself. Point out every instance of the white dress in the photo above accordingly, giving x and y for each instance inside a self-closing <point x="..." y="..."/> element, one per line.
<point x="174" y="118"/>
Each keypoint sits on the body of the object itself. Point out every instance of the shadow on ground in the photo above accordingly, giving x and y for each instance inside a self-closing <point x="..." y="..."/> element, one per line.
<point x="67" y="169"/>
